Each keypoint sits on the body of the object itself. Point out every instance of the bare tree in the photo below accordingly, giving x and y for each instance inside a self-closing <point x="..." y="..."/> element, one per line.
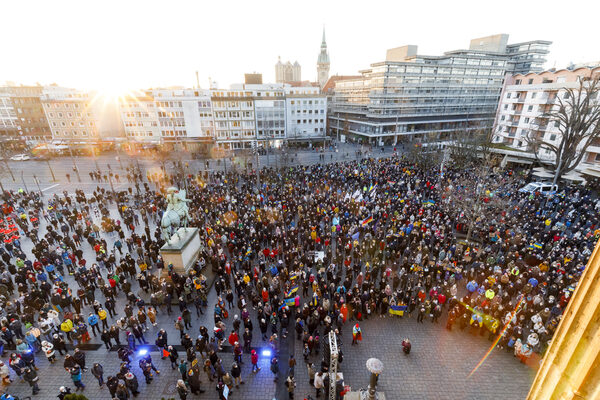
<point x="425" y="153"/>
<point x="578" y="119"/>
<point x="473" y="192"/>
<point x="470" y="148"/>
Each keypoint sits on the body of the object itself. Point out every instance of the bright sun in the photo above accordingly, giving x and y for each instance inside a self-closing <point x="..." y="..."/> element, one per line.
<point x="112" y="91"/>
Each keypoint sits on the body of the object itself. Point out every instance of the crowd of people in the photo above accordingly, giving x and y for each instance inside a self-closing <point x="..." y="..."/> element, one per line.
<point x="298" y="251"/>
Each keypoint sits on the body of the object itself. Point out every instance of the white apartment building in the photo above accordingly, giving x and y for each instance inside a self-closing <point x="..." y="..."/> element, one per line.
<point x="140" y="118"/>
<point x="524" y="103"/>
<point x="184" y="113"/>
<point x="306" y="113"/>
<point x="8" y="117"/>
<point x="70" y="115"/>
<point x="233" y="113"/>
<point x="242" y="117"/>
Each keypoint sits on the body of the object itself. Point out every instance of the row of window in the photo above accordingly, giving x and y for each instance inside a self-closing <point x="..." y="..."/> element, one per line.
<point x="65" y="105"/>
<point x="310" y="121"/>
<point x="232" y="104"/>
<point x="307" y="102"/>
<point x="138" y="114"/>
<point x="81" y="124"/>
<point x="74" y="133"/>
<point x="165" y="104"/>
<point x="233" y="114"/>
<point x="140" y="123"/>
<point x="69" y="115"/>
<point x="162" y="114"/>
<point x="176" y="132"/>
<point x="236" y="134"/>
<point x="235" y="124"/>
<point x="308" y="112"/>
<point x="172" y="122"/>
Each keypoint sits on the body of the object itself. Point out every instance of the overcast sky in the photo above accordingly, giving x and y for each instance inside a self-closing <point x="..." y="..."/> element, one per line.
<point x="131" y="44"/>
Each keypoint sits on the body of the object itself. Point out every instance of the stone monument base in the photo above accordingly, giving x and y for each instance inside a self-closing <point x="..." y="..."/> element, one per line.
<point x="182" y="250"/>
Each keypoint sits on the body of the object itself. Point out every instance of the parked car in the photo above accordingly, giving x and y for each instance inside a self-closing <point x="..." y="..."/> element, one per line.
<point x="20" y="157"/>
<point x="546" y="188"/>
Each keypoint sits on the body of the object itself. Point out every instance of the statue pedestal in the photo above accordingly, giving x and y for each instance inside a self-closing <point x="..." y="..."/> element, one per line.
<point x="182" y="250"/>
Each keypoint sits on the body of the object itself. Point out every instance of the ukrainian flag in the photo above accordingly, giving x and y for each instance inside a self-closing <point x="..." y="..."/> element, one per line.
<point x="293" y="276"/>
<point x="290" y="302"/>
<point x="537" y="245"/>
<point x="315" y="300"/>
<point x="397" y="310"/>
<point x="293" y="290"/>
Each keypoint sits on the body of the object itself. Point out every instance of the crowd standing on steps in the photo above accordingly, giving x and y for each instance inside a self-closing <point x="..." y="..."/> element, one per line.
<point x="307" y="249"/>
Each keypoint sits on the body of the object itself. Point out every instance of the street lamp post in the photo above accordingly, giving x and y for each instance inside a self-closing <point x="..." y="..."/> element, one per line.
<point x="37" y="182"/>
<point x="51" y="171"/>
<point x="375" y="367"/>
<point x="23" y="180"/>
<point x="95" y="160"/>
<point x="74" y="165"/>
<point x="111" y="183"/>
<point x="9" y="170"/>
<point x="119" y="157"/>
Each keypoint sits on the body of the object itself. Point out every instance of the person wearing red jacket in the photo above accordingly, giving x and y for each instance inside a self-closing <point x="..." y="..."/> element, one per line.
<point x="233" y="338"/>
<point x="254" y="359"/>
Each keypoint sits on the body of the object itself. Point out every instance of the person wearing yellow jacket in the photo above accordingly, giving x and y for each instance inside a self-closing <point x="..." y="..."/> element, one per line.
<point x="102" y="316"/>
<point x="67" y="327"/>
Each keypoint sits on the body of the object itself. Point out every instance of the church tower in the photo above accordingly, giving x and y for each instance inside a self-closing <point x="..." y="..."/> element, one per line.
<point x="323" y="63"/>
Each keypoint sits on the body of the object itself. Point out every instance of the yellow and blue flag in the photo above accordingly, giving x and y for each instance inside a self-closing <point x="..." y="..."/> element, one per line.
<point x="293" y="290"/>
<point x="315" y="300"/>
<point x="397" y="310"/>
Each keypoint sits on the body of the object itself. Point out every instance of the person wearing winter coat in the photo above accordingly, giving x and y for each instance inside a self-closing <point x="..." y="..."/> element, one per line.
<point x="275" y="368"/>
<point x="79" y="357"/>
<point x="69" y="362"/>
<point x="318" y="383"/>
<point x="236" y="373"/>
<point x="48" y="349"/>
<point x="5" y="374"/>
<point x="228" y="380"/>
<point x="132" y="383"/>
<point x="98" y="373"/>
<point x="182" y="390"/>
<point x="105" y="336"/>
<point x="210" y="370"/>
<point x="193" y="380"/>
<point x="290" y="383"/>
<point x="254" y="360"/>
<point x="59" y="344"/>
<point x="173" y="356"/>
<point x="32" y="378"/>
<point x="76" y="378"/>
<point x="93" y="321"/>
<point x="112" y="383"/>
<point x="122" y="393"/>
<point x="17" y="365"/>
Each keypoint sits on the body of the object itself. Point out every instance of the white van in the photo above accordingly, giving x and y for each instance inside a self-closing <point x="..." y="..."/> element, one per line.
<point x="546" y="188"/>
